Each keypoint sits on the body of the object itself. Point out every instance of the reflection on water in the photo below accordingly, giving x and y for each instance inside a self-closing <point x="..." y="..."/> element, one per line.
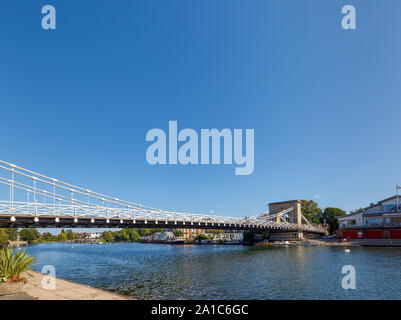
<point x="157" y="271"/>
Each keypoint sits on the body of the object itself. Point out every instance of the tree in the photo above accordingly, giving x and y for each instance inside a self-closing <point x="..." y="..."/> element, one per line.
<point x="201" y="237"/>
<point x="62" y="236"/>
<point x="133" y="235"/>
<point x="108" y="236"/>
<point x="3" y="236"/>
<point x="125" y="234"/>
<point x="330" y="216"/>
<point x="248" y="236"/>
<point x="215" y="231"/>
<point x="146" y="231"/>
<point x="29" y="234"/>
<point x="178" y="233"/>
<point x="47" y="236"/>
<point x="12" y="234"/>
<point x="143" y="231"/>
<point x="311" y="211"/>
<point x="70" y="235"/>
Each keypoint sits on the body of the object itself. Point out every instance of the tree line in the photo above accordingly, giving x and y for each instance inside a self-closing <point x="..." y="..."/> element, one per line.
<point x="316" y="216"/>
<point x="128" y="234"/>
<point x="32" y="235"/>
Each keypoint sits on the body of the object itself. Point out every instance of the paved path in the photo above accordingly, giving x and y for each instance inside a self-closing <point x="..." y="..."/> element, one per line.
<point x="65" y="290"/>
<point x="18" y="296"/>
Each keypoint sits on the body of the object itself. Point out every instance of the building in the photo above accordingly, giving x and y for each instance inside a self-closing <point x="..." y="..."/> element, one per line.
<point x="163" y="236"/>
<point x="190" y="234"/>
<point x="226" y="235"/>
<point x="381" y="220"/>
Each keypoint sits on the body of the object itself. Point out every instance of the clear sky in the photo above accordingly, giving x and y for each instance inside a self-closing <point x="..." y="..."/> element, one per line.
<point x="77" y="102"/>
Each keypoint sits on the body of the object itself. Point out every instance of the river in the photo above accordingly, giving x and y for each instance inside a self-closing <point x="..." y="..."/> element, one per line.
<point x="158" y="271"/>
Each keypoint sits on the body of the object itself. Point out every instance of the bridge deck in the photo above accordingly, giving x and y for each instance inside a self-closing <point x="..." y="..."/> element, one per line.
<point x="27" y="221"/>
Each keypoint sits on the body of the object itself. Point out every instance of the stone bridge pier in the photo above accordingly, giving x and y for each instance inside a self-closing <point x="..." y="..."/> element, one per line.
<point x="295" y="216"/>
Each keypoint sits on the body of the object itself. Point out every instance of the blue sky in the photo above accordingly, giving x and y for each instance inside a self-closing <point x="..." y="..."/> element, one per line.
<point x="77" y="102"/>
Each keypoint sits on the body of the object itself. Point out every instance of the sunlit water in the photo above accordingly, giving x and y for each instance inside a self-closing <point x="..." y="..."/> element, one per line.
<point x="157" y="271"/>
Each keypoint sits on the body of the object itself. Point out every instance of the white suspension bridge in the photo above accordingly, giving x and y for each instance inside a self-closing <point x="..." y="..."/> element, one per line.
<point x="35" y="200"/>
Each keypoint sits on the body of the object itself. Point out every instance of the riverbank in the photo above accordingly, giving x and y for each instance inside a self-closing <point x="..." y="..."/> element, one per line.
<point x="334" y="243"/>
<point x="65" y="290"/>
<point x="311" y="242"/>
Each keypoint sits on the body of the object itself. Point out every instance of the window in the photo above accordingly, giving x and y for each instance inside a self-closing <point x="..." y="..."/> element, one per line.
<point x="389" y="208"/>
<point x="373" y="221"/>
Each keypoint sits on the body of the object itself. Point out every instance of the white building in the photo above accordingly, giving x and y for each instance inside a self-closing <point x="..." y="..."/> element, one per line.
<point x="380" y="220"/>
<point x="163" y="236"/>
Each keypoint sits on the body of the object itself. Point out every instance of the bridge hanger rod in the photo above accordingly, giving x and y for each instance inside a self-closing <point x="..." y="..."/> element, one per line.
<point x="68" y="186"/>
<point x="50" y="195"/>
<point x="84" y="192"/>
<point x="83" y="204"/>
<point x="64" y="199"/>
<point x="123" y="206"/>
<point x="94" y="195"/>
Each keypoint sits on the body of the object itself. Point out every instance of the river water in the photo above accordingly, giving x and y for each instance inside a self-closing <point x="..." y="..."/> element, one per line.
<point x="158" y="271"/>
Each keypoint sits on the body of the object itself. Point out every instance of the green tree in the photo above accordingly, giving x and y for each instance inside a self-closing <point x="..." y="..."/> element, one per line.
<point x="134" y="236"/>
<point x="62" y="236"/>
<point x="178" y="233"/>
<point x="143" y="231"/>
<point x="70" y="235"/>
<point x="125" y="235"/>
<point x="311" y="211"/>
<point x="30" y="234"/>
<point x="108" y="236"/>
<point x="3" y="236"/>
<point x="12" y="234"/>
<point x="248" y="236"/>
<point x="330" y="216"/>
<point x="215" y="231"/>
<point x="47" y="236"/>
<point x="201" y="237"/>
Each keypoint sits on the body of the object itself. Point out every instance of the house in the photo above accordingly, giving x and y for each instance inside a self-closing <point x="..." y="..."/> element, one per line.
<point x="192" y="233"/>
<point x="380" y="220"/>
<point x="163" y="236"/>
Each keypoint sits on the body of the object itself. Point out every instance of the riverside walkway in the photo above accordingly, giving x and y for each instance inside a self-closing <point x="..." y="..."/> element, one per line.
<point x="65" y="290"/>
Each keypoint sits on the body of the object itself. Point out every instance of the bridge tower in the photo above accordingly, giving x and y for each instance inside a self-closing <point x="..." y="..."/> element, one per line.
<point x="295" y="216"/>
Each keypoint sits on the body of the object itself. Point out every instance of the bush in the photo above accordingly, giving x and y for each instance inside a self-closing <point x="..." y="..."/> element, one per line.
<point x="3" y="236"/>
<point x="202" y="236"/>
<point x="13" y="263"/>
<point x="248" y="236"/>
<point x="178" y="233"/>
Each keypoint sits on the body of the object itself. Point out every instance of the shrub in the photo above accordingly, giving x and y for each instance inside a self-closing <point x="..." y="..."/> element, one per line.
<point x="201" y="237"/>
<point x="13" y="263"/>
<point x="178" y="233"/>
